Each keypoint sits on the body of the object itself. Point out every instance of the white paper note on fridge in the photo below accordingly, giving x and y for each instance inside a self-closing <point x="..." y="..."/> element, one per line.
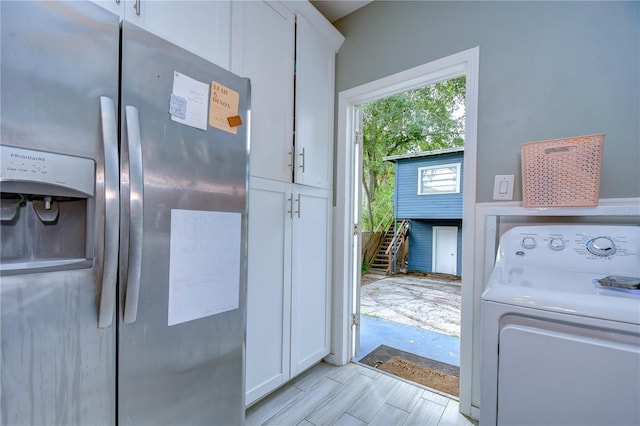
<point x="189" y="102"/>
<point x="204" y="264"/>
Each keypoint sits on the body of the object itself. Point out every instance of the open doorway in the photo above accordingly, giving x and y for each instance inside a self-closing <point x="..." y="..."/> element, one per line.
<point x="345" y="333"/>
<point x="412" y="148"/>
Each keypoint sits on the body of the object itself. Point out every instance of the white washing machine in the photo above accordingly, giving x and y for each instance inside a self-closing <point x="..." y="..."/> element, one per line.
<point x="558" y="347"/>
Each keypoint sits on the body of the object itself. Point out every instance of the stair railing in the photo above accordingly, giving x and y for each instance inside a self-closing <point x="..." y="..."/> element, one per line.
<point x="401" y="238"/>
<point x="396" y="245"/>
<point x="386" y="221"/>
<point x="372" y="246"/>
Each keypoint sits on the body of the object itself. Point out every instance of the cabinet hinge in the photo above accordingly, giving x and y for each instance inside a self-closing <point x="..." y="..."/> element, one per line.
<point x="355" y="320"/>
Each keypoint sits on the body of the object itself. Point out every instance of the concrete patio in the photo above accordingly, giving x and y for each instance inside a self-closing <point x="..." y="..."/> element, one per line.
<point x="417" y="314"/>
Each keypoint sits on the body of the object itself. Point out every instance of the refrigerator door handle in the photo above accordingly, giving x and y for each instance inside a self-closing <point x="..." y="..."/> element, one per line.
<point x="111" y="207"/>
<point x="136" y="210"/>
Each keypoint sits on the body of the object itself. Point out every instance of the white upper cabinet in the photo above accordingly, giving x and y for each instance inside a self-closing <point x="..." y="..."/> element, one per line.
<point x="201" y="27"/>
<point x="263" y="50"/>
<point x="114" y="6"/>
<point x="287" y="48"/>
<point x="315" y="59"/>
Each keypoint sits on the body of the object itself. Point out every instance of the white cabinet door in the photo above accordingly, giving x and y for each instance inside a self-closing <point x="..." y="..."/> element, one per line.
<point x="313" y="107"/>
<point x="311" y="284"/>
<point x="289" y="293"/>
<point x="114" y="6"/>
<point x="269" y="287"/>
<point x="263" y="49"/>
<point x="201" y="27"/>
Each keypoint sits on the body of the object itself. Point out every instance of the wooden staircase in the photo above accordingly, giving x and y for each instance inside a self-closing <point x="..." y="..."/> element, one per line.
<point x="383" y="261"/>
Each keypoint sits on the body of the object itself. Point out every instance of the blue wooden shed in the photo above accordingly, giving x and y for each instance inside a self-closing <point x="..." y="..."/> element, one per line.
<point x="428" y="193"/>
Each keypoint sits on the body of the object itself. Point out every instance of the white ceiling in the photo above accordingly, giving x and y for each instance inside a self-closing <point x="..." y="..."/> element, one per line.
<point x="336" y="9"/>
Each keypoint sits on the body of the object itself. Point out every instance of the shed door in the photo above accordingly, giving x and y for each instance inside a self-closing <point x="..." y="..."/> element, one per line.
<point x="445" y="249"/>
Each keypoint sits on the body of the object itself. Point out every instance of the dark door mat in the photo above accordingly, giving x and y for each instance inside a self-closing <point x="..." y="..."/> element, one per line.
<point x="428" y="372"/>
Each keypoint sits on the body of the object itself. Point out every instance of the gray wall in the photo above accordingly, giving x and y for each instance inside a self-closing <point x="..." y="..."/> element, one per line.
<point x="547" y="70"/>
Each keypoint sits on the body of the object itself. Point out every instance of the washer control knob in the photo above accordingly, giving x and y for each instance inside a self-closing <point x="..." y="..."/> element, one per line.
<point x="601" y="246"/>
<point x="528" y="242"/>
<point x="556" y="244"/>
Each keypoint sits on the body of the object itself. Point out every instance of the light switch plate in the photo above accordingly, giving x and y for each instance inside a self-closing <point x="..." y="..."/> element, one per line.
<point x="503" y="187"/>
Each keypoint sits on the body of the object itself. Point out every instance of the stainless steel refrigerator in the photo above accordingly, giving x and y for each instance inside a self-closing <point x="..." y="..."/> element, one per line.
<point x="123" y="224"/>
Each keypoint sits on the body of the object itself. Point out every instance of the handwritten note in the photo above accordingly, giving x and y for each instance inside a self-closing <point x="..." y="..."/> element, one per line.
<point x="188" y="104"/>
<point x="224" y="104"/>
<point x="204" y="264"/>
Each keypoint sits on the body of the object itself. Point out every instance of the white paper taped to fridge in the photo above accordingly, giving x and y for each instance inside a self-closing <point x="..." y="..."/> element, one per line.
<point x="204" y="264"/>
<point x="189" y="103"/>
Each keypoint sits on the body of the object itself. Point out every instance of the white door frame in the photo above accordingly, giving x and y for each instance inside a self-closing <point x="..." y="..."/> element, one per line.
<point x="434" y="249"/>
<point x="463" y="63"/>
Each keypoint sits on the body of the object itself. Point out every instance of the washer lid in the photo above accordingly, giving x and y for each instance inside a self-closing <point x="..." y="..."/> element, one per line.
<point x="573" y="293"/>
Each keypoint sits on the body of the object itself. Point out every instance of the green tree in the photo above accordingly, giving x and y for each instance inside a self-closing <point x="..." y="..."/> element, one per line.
<point x="424" y="119"/>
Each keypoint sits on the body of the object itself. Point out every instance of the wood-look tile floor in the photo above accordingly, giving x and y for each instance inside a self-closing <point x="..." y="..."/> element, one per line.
<point x="354" y="395"/>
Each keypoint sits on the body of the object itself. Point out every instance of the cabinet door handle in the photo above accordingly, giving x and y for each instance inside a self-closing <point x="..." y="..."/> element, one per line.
<point x="298" y="201"/>
<point x="302" y="155"/>
<point x="290" y="201"/>
<point x="136" y="6"/>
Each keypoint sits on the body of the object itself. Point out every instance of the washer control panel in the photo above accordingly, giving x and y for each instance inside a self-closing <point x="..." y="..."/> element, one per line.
<point x="556" y="244"/>
<point x="574" y="247"/>
<point x="528" y="242"/>
<point x="601" y="246"/>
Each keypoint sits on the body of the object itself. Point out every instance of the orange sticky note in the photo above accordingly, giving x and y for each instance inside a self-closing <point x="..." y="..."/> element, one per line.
<point x="234" y="121"/>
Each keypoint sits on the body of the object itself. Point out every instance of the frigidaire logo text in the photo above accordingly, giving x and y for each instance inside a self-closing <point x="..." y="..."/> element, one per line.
<point x="28" y="157"/>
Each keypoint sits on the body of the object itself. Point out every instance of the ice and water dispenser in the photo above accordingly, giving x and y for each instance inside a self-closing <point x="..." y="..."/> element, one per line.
<point x="45" y="211"/>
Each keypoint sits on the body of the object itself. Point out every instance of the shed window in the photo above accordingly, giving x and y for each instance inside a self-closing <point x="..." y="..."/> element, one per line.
<point x="440" y="179"/>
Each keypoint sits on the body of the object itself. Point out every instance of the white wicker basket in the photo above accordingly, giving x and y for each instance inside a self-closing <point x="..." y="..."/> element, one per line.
<point x="562" y="172"/>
